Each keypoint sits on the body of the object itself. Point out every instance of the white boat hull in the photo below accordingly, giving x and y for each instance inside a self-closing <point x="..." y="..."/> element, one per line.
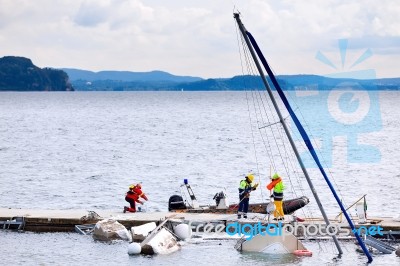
<point x="271" y="244"/>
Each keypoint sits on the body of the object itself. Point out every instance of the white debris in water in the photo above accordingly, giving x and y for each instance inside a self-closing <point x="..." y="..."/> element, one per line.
<point x="183" y="231"/>
<point x="143" y="229"/>
<point x="134" y="248"/>
<point x="164" y="242"/>
<point x="110" y="229"/>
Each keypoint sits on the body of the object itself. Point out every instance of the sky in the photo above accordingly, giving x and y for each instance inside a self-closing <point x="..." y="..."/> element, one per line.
<point x="199" y="37"/>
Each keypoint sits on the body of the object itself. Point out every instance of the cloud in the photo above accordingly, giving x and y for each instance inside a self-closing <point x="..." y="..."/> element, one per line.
<point x="91" y="14"/>
<point x="193" y="37"/>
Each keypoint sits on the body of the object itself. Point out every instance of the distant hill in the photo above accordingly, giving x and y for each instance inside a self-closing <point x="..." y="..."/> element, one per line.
<point x="158" y="80"/>
<point x="292" y="82"/>
<point x="127" y="76"/>
<point x="20" y="74"/>
<point x="327" y="83"/>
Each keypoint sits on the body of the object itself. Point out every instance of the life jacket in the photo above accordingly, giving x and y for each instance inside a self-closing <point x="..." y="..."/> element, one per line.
<point x="244" y="189"/>
<point x="132" y="195"/>
<point x="135" y="193"/>
<point x="279" y="187"/>
<point x="273" y="183"/>
<point x="244" y="185"/>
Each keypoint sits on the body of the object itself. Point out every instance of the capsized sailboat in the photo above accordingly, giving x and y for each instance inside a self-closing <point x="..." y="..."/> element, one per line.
<point x="272" y="244"/>
<point x="257" y="56"/>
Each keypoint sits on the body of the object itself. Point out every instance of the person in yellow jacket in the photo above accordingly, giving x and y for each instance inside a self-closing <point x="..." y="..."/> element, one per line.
<point x="278" y="187"/>
<point x="245" y="187"/>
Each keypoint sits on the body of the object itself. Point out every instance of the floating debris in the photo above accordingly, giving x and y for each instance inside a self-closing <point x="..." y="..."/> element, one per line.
<point x="110" y="229"/>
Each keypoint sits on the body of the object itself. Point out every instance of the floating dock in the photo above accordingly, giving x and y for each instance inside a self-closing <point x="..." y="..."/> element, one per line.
<point x="65" y="220"/>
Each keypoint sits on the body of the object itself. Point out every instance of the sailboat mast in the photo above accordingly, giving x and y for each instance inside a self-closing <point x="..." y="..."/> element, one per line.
<point x="285" y="127"/>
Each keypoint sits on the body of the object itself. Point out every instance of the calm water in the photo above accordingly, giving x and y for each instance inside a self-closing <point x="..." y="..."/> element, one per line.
<point x="81" y="151"/>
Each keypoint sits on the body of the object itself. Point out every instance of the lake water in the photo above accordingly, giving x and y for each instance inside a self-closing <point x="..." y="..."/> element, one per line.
<point x="81" y="150"/>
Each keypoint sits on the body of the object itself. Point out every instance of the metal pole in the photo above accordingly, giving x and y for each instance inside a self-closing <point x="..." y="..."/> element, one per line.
<point x="243" y="31"/>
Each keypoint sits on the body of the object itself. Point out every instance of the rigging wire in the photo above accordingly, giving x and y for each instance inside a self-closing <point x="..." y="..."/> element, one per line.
<point x="313" y="140"/>
<point x="286" y="166"/>
<point x="248" y="109"/>
<point x="256" y="99"/>
<point x="262" y="106"/>
<point x="259" y="102"/>
<point x="268" y="147"/>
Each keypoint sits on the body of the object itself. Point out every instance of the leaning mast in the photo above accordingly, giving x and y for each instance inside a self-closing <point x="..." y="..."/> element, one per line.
<point x="252" y="45"/>
<point x="246" y="35"/>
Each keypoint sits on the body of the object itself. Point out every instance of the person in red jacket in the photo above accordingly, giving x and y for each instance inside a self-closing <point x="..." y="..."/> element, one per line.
<point x="132" y="196"/>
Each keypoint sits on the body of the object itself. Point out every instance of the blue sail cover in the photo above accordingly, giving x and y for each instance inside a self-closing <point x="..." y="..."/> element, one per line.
<point x="306" y="139"/>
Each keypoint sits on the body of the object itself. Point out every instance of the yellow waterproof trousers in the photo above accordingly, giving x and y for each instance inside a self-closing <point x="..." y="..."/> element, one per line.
<point x="278" y="209"/>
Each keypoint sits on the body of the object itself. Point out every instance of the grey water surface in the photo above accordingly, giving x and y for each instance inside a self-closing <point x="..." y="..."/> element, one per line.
<point x="81" y="150"/>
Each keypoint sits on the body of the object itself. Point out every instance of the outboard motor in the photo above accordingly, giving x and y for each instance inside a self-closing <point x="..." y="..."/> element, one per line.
<point x="176" y="203"/>
<point x="220" y="200"/>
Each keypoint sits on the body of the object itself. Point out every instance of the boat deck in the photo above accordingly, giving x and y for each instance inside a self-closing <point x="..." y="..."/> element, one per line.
<point x="65" y="220"/>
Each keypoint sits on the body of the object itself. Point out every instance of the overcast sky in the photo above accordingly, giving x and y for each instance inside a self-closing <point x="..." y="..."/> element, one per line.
<point x="198" y="37"/>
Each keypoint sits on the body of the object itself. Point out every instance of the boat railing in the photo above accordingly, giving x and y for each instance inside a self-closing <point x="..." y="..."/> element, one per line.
<point x="340" y="215"/>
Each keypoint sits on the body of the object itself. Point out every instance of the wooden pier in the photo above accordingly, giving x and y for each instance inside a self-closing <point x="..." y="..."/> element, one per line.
<point x="65" y="220"/>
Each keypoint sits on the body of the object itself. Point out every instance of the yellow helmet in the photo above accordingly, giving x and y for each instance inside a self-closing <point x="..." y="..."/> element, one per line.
<point x="250" y="177"/>
<point x="275" y="176"/>
<point x="138" y="185"/>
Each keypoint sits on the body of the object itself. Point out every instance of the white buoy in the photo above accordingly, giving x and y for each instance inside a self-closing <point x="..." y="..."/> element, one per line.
<point x="183" y="231"/>
<point x="134" y="248"/>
